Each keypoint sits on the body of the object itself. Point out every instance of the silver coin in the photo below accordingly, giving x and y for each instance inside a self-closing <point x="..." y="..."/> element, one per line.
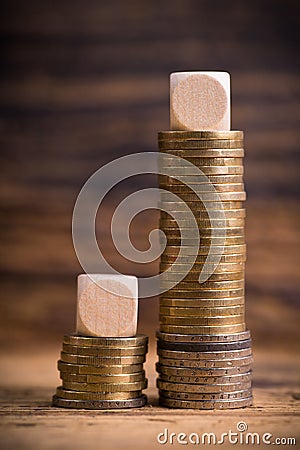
<point x="217" y="396"/>
<point x="99" y="404"/>
<point x="204" y="338"/>
<point x="211" y="356"/>
<point x="206" y="404"/>
<point x="202" y="364"/>
<point x="202" y="388"/>
<point x="204" y="347"/>
<point x="233" y="379"/>
<point x="213" y="372"/>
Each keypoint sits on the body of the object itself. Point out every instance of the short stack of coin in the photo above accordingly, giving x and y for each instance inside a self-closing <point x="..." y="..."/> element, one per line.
<point x="204" y="349"/>
<point x="102" y="372"/>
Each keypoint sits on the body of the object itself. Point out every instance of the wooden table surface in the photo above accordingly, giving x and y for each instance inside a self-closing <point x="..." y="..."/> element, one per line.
<point x="28" y="421"/>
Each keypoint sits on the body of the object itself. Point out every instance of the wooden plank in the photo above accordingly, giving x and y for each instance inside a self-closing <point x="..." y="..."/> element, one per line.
<point x="28" y="418"/>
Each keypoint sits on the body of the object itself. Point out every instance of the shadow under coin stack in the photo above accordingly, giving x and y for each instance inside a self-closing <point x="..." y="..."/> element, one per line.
<point x="204" y="350"/>
<point x="102" y="372"/>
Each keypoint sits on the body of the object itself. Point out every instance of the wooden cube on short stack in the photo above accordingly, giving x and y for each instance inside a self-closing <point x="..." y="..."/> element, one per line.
<point x="101" y="367"/>
<point x="107" y="305"/>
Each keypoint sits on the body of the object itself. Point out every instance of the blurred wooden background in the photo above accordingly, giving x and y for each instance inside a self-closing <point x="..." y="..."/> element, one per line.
<point x="85" y="82"/>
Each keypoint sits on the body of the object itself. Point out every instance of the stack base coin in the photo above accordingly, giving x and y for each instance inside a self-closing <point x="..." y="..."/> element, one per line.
<point x="100" y="404"/>
<point x="206" y="404"/>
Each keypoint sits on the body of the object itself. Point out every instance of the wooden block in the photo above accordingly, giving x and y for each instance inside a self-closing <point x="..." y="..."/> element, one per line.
<point x="200" y="101"/>
<point x="107" y="305"/>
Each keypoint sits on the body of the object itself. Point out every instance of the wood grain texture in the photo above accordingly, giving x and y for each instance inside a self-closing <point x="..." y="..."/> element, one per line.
<point x="107" y="305"/>
<point x="200" y="101"/>
<point x="28" y="420"/>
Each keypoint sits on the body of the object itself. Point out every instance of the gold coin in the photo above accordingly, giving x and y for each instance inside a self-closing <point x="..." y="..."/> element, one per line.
<point x="172" y="233"/>
<point x="139" y="339"/>
<point x="202" y="223"/>
<point x="170" y="180"/>
<point x="210" y="356"/>
<point x="205" y="250"/>
<point x="206" y="135"/>
<point x="202" y="188"/>
<point x="206" y="364"/>
<point x="85" y="369"/>
<point x="211" y="285"/>
<point x="175" y="272"/>
<point x="200" y="302"/>
<point x="205" y="215"/>
<point x="194" y="276"/>
<point x="202" y="329"/>
<point x="98" y="361"/>
<point x="172" y="250"/>
<point x="202" y="258"/>
<point x="77" y="395"/>
<point x="207" y="170"/>
<point x="105" y="387"/>
<point x="202" y="312"/>
<point x="206" y="242"/>
<point x="167" y="278"/>
<point x="170" y="160"/>
<point x="216" y="223"/>
<point x="204" y="293"/>
<point x="206" y="153"/>
<point x="127" y="378"/>
<point x="104" y="351"/>
<point x="191" y="233"/>
<point x="192" y="281"/>
<point x="199" y="144"/>
<point x="210" y="208"/>
<point x="190" y="242"/>
<point x="208" y="196"/>
<point x="187" y="234"/>
<point x="221" y="268"/>
<point x="202" y="321"/>
<point x="195" y="286"/>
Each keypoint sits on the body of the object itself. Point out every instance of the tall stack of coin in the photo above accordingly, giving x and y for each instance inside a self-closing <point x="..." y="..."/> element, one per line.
<point x="203" y="347"/>
<point x="102" y="372"/>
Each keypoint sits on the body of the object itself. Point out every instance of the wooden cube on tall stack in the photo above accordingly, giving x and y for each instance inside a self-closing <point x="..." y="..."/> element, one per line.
<point x="204" y="349"/>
